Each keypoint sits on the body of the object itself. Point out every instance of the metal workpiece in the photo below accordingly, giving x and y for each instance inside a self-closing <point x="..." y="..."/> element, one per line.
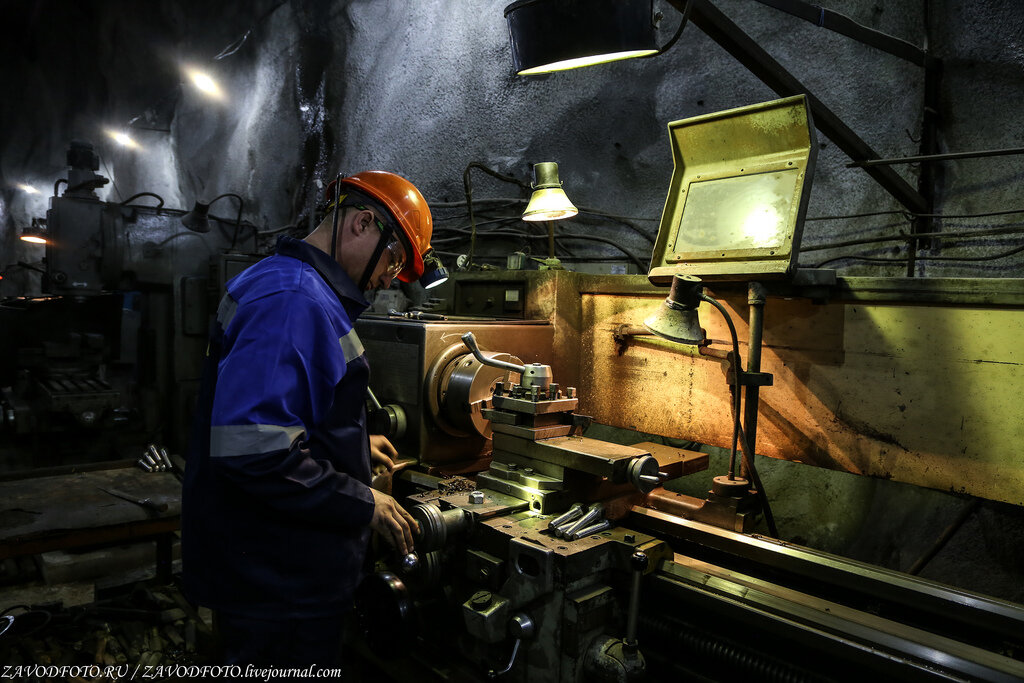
<point x="437" y="526"/>
<point x="597" y="528"/>
<point x="166" y="459"/>
<point x="572" y="514"/>
<point x="476" y="497"/>
<point x="147" y="456"/>
<point x="160" y="459"/>
<point x="593" y="514"/>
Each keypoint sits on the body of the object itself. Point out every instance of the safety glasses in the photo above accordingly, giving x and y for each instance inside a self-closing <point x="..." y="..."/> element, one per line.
<point x="396" y="258"/>
<point x="394" y="250"/>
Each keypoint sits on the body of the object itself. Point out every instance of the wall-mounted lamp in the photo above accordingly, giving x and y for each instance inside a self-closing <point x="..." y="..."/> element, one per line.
<point x="548" y="202"/>
<point x="434" y="272"/>
<point x="197" y="220"/>
<point x="34" y="234"/>
<point x="204" y="83"/>
<point x="677" y="320"/>
<point x="554" y="35"/>
<point x="122" y="139"/>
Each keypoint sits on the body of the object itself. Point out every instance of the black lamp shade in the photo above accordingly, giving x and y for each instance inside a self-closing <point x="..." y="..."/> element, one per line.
<point x="197" y="220"/>
<point x="550" y="35"/>
<point x="677" y="318"/>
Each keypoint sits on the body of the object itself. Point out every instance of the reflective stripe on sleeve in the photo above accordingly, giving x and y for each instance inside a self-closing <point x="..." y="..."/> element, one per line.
<point x="351" y="346"/>
<point x="226" y="311"/>
<point x="231" y="440"/>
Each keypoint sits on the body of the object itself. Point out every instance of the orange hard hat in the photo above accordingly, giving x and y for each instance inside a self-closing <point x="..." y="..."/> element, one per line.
<point x="406" y="206"/>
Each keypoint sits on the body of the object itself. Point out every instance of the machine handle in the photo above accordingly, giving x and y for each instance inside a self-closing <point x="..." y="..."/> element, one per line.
<point x="470" y="341"/>
<point x="373" y="398"/>
<point x="521" y="627"/>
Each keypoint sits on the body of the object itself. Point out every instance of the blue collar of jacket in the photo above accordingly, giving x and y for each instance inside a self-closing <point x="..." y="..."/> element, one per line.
<point x="332" y="273"/>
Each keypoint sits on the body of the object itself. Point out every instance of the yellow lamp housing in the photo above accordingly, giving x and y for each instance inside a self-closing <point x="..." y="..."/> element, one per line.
<point x="739" y="193"/>
<point x="548" y="202"/>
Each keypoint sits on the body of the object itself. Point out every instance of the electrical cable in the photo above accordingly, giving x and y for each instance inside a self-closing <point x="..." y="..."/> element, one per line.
<point x="675" y="37"/>
<point x="145" y="194"/>
<point x="903" y="237"/>
<point x="857" y="215"/>
<point x="467" y="185"/>
<point x="619" y="219"/>
<point x="748" y="453"/>
<point x="29" y="266"/>
<point x="593" y="238"/>
<point x="920" y="257"/>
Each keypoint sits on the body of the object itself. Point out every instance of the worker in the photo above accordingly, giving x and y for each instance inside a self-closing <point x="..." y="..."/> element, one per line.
<point x="277" y="505"/>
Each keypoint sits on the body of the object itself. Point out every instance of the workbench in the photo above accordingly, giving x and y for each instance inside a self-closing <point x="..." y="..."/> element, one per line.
<point x="76" y="510"/>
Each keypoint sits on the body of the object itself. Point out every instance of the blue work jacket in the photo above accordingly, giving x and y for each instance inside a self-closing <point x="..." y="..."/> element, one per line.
<point x="276" y="500"/>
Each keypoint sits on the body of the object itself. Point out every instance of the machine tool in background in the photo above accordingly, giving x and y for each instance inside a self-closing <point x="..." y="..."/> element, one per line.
<point x="110" y="360"/>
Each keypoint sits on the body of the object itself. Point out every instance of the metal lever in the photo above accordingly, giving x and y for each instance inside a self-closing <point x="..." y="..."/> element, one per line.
<point x="521" y="627"/>
<point x="470" y="341"/>
<point x="638" y="562"/>
<point x="373" y="399"/>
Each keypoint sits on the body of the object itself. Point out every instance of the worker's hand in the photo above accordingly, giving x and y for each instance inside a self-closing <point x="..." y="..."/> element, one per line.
<point x="392" y="522"/>
<point x="382" y="454"/>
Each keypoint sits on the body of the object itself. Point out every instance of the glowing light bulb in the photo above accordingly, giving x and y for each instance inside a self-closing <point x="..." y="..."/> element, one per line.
<point x="122" y="139"/>
<point x="205" y="84"/>
<point x="762" y="226"/>
<point x="27" y="188"/>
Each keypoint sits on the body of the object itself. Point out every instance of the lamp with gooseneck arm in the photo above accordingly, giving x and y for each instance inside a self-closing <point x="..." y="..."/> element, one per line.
<point x="677" y="320"/>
